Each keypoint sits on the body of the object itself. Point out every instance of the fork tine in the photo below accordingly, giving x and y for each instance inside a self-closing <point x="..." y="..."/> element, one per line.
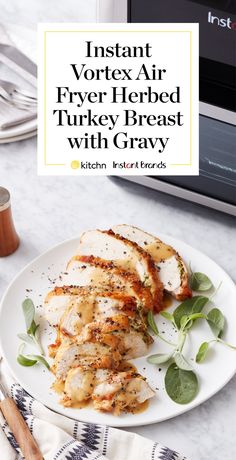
<point x="4" y="94"/>
<point x="26" y="94"/>
<point x="26" y="100"/>
<point x="8" y="89"/>
<point x="11" y="102"/>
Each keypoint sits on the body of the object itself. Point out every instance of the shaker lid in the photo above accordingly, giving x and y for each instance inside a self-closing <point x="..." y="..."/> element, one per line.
<point x="4" y="198"/>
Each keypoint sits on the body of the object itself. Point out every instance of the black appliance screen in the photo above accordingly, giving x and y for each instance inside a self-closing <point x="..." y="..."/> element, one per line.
<point x="217" y="25"/>
<point x="217" y="163"/>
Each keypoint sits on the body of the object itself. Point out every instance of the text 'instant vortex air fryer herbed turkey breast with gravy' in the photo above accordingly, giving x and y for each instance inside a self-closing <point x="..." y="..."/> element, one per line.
<point x="99" y="310"/>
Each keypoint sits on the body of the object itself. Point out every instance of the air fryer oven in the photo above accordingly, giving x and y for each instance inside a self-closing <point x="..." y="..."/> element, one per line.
<point x="216" y="184"/>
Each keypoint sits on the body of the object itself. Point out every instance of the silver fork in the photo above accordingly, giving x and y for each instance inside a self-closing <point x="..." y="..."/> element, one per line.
<point x="12" y="93"/>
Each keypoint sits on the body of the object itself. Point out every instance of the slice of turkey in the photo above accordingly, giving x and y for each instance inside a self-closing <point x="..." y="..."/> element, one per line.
<point x="117" y="331"/>
<point x="93" y="354"/>
<point x="71" y="308"/>
<point x="125" y="254"/>
<point x="100" y="345"/>
<point x="111" y="391"/>
<point x="112" y="334"/>
<point x="172" y="270"/>
<point x="97" y="273"/>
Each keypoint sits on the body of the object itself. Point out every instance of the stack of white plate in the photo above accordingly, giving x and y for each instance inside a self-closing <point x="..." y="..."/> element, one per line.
<point x="26" y="41"/>
<point x="20" y="132"/>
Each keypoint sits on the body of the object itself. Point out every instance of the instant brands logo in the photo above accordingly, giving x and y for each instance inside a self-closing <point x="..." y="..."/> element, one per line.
<point x="221" y="22"/>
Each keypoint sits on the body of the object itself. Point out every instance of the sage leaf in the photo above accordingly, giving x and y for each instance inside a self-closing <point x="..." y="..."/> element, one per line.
<point x="200" y="282"/>
<point x="197" y="316"/>
<point x="216" y="322"/>
<point x="181" y="362"/>
<point x="181" y="386"/>
<point x="29" y="312"/>
<point x="167" y="316"/>
<point x="36" y="333"/>
<point x="159" y="358"/>
<point x="33" y="328"/>
<point x="24" y="361"/>
<point x="26" y="338"/>
<point x="202" y="352"/>
<point x="189" y="307"/>
<point x="186" y="322"/>
<point x="40" y="359"/>
<point x="152" y="323"/>
<point x="30" y="360"/>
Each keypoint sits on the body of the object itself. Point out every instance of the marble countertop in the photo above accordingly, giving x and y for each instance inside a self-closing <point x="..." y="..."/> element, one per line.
<point x="48" y="210"/>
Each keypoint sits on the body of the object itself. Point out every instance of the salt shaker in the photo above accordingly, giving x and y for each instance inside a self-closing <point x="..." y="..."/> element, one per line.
<point x="9" y="240"/>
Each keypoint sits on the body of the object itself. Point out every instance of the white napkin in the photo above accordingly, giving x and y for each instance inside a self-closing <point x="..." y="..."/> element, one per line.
<point x="60" y="438"/>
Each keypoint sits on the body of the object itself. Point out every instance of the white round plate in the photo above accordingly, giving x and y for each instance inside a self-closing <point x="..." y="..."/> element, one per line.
<point x="37" y="278"/>
<point x="18" y="131"/>
<point x="19" y="138"/>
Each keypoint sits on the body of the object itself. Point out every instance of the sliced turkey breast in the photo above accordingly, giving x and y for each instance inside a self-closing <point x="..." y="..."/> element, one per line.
<point x="73" y="320"/>
<point x="61" y="299"/>
<point x="117" y="331"/>
<point x="93" y="354"/>
<point x="122" y="391"/>
<point x="111" y="391"/>
<point x="101" y="344"/>
<point x="55" y="305"/>
<point x="79" y="385"/>
<point x="100" y="274"/>
<point x="125" y="254"/>
<point x="84" y="307"/>
<point x="71" y="308"/>
<point x="172" y="270"/>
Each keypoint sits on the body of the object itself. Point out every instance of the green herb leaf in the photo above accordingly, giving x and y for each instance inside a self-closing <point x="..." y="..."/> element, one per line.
<point x="36" y="332"/>
<point x="26" y="338"/>
<point x="39" y="359"/>
<point x="33" y="328"/>
<point x="181" y="386"/>
<point x="29" y="312"/>
<point x="216" y="322"/>
<point x="197" y="316"/>
<point x="186" y="322"/>
<point x="202" y="352"/>
<point x="167" y="316"/>
<point x="151" y="322"/>
<point x="200" y="282"/>
<point x="189" y="307"/>
<point x="159" y="358"/>
<point x="181" y="362"/>
<point x="30" y="360"/>
<point x="24" y="361"/>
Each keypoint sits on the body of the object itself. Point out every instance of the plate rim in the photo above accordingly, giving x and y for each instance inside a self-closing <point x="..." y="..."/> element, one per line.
<point x="24" y="128"/>
<point x="120" y="424"/>
<point x="20" y="137"/>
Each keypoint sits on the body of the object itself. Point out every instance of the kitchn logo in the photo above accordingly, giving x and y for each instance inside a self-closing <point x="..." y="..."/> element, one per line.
<point x="221" y="22"/>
